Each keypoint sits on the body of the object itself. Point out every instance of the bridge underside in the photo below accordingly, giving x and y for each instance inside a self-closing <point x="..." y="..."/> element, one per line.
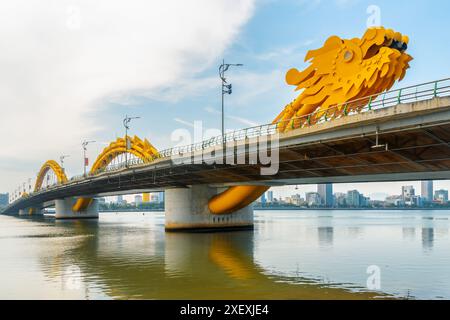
<point x="413" y="144"/>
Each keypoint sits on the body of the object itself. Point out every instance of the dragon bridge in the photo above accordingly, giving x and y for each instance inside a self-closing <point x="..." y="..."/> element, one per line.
<point x="339" y="73"/>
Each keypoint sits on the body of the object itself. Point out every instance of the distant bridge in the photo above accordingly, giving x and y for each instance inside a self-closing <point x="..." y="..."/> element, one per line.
<point x="402" y="135"/>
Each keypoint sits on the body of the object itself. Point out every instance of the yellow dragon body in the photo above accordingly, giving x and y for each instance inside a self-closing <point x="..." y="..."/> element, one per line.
<point x="339" y="72"/>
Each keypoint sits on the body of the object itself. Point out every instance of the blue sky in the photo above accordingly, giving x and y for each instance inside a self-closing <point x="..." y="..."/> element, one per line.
<point x="267" y="36"/>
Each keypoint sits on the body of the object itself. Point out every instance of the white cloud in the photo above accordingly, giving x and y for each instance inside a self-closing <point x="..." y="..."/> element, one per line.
<point x="62" y="60"/>
<point x="241" y="120"/>
<point x="183" y="122"/>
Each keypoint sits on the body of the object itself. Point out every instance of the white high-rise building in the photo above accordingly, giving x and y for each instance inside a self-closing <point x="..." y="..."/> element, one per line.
<point x="312" y="198"/>
<point x="408" y="192"/>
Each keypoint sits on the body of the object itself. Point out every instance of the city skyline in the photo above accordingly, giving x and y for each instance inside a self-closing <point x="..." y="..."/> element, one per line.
<point x="408" y="196"/>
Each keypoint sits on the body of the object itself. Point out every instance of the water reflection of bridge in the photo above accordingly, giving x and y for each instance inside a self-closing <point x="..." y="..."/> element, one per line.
<point x="128" y="262"/>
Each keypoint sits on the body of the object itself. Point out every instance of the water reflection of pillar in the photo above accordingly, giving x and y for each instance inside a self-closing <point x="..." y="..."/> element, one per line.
<point x="427" y="233"/>
<point x="325" y="231"/>
<point x="427" y="238"/>
<point x="231" y="252"/>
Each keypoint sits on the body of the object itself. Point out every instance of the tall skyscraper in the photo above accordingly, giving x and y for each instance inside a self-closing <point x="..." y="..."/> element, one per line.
<point x="269" y="196"/>
<point x="326" y="194"/>
<point x="120" y="199"/>
<point x="427" y="191"/>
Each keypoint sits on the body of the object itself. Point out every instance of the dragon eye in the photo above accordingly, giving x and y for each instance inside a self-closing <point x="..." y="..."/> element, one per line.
<point x="348" y="56"/>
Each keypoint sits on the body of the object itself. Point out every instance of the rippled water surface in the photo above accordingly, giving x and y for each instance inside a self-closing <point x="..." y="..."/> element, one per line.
<point x="289" y="255"/>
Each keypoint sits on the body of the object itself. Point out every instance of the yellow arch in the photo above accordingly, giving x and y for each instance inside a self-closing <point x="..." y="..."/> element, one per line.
<point x="56" y="168"/>
<point x="142" y="149"/>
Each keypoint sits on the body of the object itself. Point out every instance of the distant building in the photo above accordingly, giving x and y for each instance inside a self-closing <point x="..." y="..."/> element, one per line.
<point x="416" y="201"/>
<point x="363" y="201"/>
<point x="312" y="199"/>
<point x="408" y="192"/>
<point x="326" y="194"/>
<point x="441" y="196"/>
<point x="4" y="199"/>
<point x="353" y="198"/>
<point x="161" y="196"/>
<point x="154" y="197"/>
<point x="297" y="200"/>
<point x="146" y="197"/>
<point x="427" y="191"/>
<point x="101" y="200"/>
<point x="340" y="199"/>
<point x="138" y="199"/>
<point x="396" y="201"/>
<point x="269" y="196"/>
<point x="119" y="199"/>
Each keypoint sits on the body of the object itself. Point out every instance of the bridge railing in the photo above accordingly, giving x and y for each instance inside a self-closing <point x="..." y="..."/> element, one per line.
<point x="424" y="91"/>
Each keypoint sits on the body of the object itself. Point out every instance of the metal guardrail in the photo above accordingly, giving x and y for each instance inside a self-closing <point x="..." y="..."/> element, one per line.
<point x="416" y="93"/>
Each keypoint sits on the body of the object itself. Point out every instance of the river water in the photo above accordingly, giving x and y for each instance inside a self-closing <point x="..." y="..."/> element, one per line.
<point x="289" y="255"/>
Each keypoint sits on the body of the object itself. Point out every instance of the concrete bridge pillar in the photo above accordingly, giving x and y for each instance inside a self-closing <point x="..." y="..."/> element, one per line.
<point x="187" y="209"/>
<point x="64" y="209"/>
<point x="31" y="212"/>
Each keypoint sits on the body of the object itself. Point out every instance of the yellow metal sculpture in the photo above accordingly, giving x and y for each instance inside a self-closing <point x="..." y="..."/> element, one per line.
<point x="340" y="72"/>
<point x="142" y="149"/>
<point x="56" y="168"/>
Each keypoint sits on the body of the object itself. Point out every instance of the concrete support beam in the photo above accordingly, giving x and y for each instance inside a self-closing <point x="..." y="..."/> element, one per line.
<point x="187" y="209"/>
<point x="63" y="210"/>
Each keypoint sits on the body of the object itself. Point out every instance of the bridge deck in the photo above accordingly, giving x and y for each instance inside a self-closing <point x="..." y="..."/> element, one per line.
<point x="417" y="135"/>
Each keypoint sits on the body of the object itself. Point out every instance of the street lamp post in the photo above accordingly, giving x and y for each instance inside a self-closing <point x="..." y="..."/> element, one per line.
<point x="61" y="159"/>
<point x="126" y="124"/>
<point x="226" y="88"/>
<point x="85" y="144"/>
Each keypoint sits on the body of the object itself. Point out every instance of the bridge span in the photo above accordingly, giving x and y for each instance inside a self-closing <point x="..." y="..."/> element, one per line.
<point x="406" y="138"/>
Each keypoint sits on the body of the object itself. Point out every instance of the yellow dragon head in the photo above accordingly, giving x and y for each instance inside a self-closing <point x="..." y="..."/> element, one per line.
<point x="345" y="70"/>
